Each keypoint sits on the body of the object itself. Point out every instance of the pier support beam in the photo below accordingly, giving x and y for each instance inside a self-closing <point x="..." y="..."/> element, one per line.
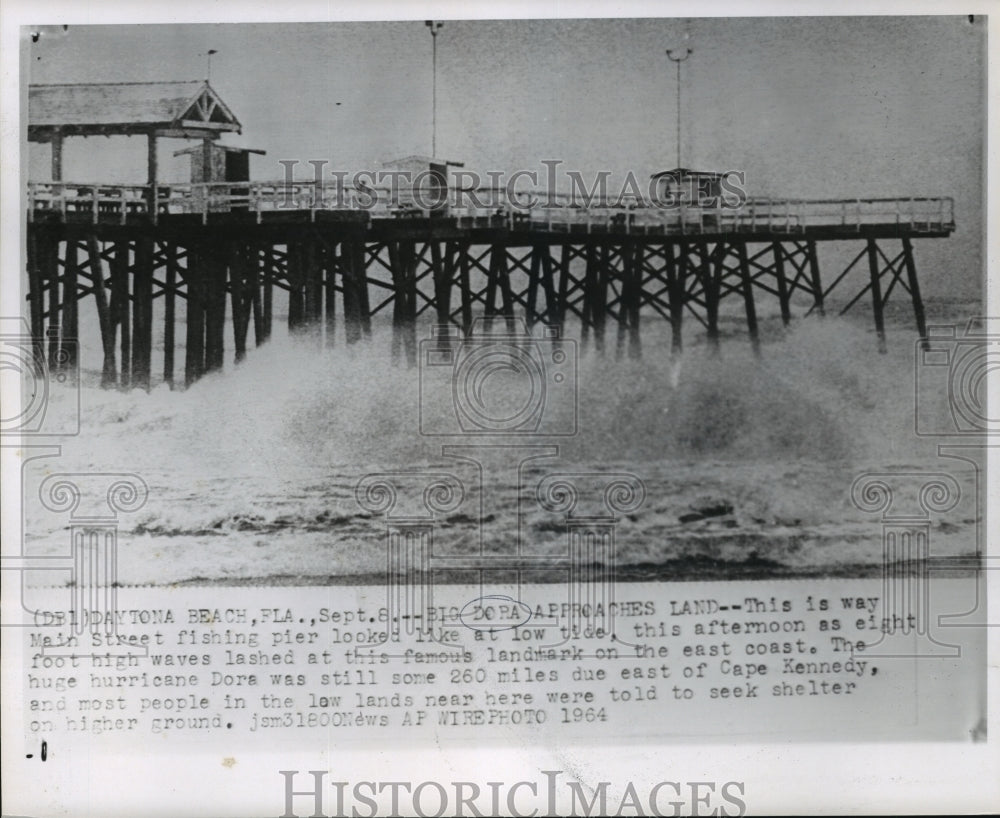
<point x="70" y="325"/>
<point x="50" y="271"/>
<point x="109" y="371"/>
<point x="142" y="313"/>
<point x="779" y="273"/>
<point x="169" y="311"/>
<point x="676" y="293"/>
<point x="36" y="296"/>
<point x="817" y="281"/>
<point x="353" y="276"/>
<point x="241" y="283"/>
<point x="194" y="363"/>
<point x="267" y="297"/>
<point x="215" y="309"/>
<point x="748" y="302"/>
<point x="121" y="308"/>
<point x="914" y="286"/>
<point x="876" y="285"/>
<point x="710" y="268"/>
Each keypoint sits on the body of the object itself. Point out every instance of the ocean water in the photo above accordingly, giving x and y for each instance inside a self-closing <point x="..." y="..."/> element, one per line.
<point x="746" y="462"/>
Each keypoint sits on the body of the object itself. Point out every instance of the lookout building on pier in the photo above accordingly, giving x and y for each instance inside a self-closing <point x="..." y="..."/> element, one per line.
<point x="179" y="110"/>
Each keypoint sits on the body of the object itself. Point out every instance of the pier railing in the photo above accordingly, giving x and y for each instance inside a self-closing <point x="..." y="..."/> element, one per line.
<point x="518" y="210"/>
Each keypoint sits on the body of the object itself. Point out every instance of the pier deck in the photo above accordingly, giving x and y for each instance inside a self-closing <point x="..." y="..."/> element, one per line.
<point x="203" y="246"/>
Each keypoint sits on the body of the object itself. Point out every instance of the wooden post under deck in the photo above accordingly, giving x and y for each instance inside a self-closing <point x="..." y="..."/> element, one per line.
<point x="169" y="313"/>
<point x="142" y="313"/>
<point x="748" y="302"/>
<point x="194" y="362"/>
<point x="70" y="326"/>
<point x="877" y="302"/>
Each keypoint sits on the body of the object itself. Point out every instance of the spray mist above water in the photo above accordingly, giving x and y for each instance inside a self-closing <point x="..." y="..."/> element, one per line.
<point x="820" y="392"/>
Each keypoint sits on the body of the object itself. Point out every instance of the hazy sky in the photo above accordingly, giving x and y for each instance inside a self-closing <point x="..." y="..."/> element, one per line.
<point x="819" y="107"/>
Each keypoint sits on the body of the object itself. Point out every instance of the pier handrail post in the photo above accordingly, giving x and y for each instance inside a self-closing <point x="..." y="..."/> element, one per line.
<point x="31" y="201"/>
<point x="154" y="201"/>
<point x="204" y="202"/>
<point x="123" y="203"/>
<point x="93" y="204"/>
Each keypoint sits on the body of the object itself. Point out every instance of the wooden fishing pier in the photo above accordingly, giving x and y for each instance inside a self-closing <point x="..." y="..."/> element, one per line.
<point x="217" y="252"/>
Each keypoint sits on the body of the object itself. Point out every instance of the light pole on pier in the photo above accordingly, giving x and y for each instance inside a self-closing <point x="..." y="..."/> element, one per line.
<point x="208" y="64"/>
<point x="434" y="29"/>
<point x="675" y="56"/>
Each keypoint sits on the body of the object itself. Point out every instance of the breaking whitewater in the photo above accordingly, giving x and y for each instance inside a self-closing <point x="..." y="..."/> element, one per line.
<point x="747" y="462"/>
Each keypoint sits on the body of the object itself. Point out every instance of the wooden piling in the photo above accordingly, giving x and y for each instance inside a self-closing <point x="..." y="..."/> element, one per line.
<point x="549" y="286"/>
<point x="121" y="308"/>
<point x="52" y="332"/>
<point x="493" y="280"/>
<point x="748" y="300"/>
<point x="296" y="295"/>
<point x="564" y="262"/>
<point x="240" y="297"/>
<point x="817" y="283"/>
<point x="676" y="293"/>
<point x="396" y="270"/>
<point x="599" y="307"/>
<point x="214" y="280"/>
<point x="332" y="255"/>
<point x="918" y="304"/>
<point x="443" y="267"/>
<point x="36" y="300"/>
<point x="876" y="286"/>
<point x="779" y="273"/>
<point x="194" y="361"/>
<point x="142" y="313"/>
<point x="267" y="296"/>
<point x="408" y="258"/>
<point x="109" y="371"/>
<point x="258" y="272"/>
<point x="711" y="267"/>
<point x="534" y="279"/>
<point x="632" y="296"/>
<point x="465" y="286"/>
<point x="312" y="273"/>
<point x="70" y="325"/>
<point x="353" y="254"/>
<point x="590" y="275"/>
<point x="169" y="312"/>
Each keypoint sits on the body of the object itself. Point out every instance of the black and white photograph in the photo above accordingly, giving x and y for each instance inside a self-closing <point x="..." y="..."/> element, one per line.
<point x="514" y="412"/>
